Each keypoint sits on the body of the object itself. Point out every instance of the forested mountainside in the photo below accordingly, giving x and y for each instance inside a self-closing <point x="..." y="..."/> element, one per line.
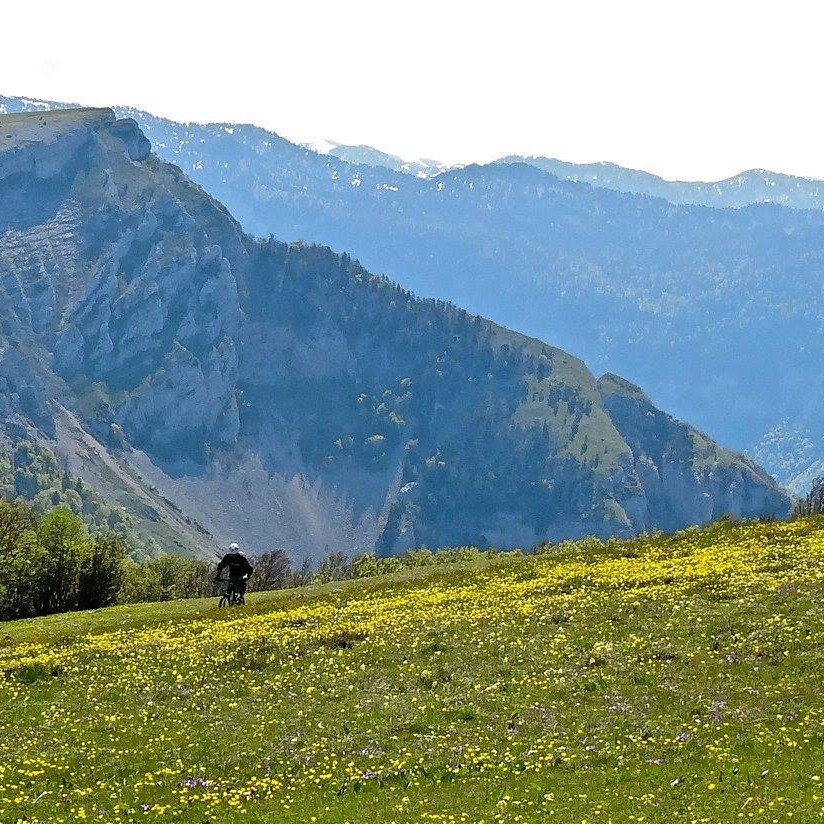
<point x="281" y="394"/>
<point x="716" y="312"/>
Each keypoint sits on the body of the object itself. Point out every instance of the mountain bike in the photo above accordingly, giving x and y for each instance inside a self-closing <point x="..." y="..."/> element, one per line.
<point x="230" y="593"/>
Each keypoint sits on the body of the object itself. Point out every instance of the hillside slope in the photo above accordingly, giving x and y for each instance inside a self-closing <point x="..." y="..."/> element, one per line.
<point x="281" y="394"/>
<point x="665" y="679"/>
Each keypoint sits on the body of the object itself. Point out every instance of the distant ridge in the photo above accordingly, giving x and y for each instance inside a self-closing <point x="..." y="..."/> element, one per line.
<point x="744" y="189"/>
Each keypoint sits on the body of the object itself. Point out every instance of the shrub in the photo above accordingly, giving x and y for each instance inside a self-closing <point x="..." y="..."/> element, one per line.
<point x="457" y="554"/>
<point x="195" y="579"/>
<point x="391" y="564"/>
<point x="365" y="566"/>
<point x="334" y="567"/>
<point x="272" y="571"/>
<point x="141" y="582"/>
<point x="418" y="557"/>
<point x="166" y="578"/>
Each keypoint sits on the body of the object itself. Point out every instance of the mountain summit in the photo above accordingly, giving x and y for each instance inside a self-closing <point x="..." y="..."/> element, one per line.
<point x="282" y="395"/>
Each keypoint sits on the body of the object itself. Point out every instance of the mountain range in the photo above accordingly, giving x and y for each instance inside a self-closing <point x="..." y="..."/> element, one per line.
<point x="744" y="189"/>
<point x="715" y="311"/>
<point x="224" y="387"/>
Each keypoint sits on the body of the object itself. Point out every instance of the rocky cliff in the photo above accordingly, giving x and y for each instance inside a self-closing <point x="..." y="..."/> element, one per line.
<point x="282" y="395"/>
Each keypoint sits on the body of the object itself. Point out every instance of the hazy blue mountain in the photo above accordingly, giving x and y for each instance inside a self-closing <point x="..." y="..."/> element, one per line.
<point x="420" y="167"/>
<point x="281" y="394"/>
<point x="717" y="312"/>
<point x="369" y="156"/>
<point x="745" y="189"/>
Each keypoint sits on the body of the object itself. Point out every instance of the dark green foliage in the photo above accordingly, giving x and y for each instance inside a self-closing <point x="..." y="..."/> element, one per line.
<point x="101" y="573"/>
<point x="51" y="563"/>
<point x="31" y="673"/>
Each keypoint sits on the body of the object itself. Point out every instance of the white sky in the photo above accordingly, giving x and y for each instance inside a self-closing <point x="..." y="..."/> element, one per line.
<point x="700" y="89"/>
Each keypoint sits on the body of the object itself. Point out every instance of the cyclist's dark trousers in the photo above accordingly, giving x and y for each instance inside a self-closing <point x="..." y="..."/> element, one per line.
<point x="240" y="585"/>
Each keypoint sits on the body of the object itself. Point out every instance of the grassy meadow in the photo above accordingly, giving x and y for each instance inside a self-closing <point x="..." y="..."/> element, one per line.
<point x="663" y="679"/>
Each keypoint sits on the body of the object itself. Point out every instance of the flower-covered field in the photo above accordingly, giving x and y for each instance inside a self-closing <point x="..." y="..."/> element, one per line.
<point x="665" y="679"/>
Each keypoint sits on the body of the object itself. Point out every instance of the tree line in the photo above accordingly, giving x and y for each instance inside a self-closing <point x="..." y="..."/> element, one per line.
<point x="50" y="563"/>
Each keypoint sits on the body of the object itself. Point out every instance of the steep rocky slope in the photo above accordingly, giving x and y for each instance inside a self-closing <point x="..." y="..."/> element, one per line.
<point x="281" y="394"/>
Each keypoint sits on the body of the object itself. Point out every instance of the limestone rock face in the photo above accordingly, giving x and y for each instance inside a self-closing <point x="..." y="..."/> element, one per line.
<point x="282" y="395"/>
<point x="136" y="143"/>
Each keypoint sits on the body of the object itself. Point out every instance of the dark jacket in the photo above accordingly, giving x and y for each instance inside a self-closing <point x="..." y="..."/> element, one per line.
<point x="237" y="564"/>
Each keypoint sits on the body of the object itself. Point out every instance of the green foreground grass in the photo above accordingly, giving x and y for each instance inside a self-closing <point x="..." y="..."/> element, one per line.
<point x="664" y="679"/>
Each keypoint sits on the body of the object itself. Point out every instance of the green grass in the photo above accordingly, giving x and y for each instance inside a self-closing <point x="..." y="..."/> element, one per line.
<point x="63" y="627"/>
<point x="666" y="679"/>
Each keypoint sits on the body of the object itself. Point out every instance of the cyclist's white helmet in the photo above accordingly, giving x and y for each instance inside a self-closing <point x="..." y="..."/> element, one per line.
<point x="234" y="547"/>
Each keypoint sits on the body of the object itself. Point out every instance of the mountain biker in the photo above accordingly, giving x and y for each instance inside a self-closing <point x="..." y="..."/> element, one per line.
<point x="238" y="567"/>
